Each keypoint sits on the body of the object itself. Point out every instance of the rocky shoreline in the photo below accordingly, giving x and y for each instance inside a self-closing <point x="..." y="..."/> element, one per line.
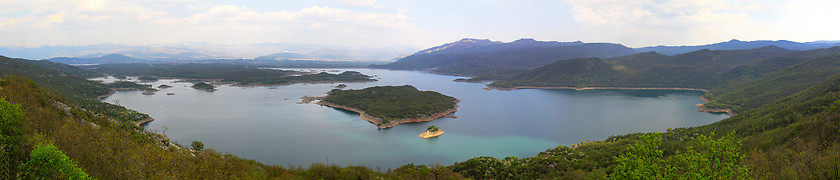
<point x="703" y="108"/>
<point x="106" y="95"/>
<point x="378" y="121"/>
<point x="144" y="121"/>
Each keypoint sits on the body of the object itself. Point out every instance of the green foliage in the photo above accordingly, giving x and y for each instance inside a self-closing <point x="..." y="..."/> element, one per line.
<point x="643" y="160"/>
<point x="203" y="86"/>
<point x="11" y="134"/>
<point x="197" y="145"/>
<point x="393" y="102"/>
<point x="432" y="129"/>
<point x="129" y="85"/>
<point x="47" y="162"/>
<point x="713" y="159"/>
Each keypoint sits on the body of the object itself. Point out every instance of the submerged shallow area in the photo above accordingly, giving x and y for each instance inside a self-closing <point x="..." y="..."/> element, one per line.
<point x="266" y="124"/>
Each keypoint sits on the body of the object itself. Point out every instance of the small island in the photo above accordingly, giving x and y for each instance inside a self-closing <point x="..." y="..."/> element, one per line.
<point x="204" y="86"/>
<point x="431" y="131"/>
<point x="147" y="78"/>
<point x="387" y="106"/>
<point x="164" y="86"/>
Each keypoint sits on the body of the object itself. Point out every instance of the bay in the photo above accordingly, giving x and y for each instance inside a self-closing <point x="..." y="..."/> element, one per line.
<point x="259" y="123"/>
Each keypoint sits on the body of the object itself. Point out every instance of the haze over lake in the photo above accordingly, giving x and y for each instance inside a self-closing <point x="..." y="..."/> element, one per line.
<point x="257" y="123"/>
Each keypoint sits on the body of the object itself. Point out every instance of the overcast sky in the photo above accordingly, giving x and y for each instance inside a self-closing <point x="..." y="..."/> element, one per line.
<point x="420" y="23"/>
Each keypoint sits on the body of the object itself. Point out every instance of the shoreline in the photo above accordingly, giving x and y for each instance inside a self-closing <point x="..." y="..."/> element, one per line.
<point x="703" y="108"/>
<point x="144" y="121"/>
<point x="427" y="134"/>
<point x="378" y="121"/>
<point x="100" y="97"/>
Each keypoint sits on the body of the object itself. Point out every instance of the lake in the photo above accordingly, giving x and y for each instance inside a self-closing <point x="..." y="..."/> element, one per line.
<point x="259" y="123"/>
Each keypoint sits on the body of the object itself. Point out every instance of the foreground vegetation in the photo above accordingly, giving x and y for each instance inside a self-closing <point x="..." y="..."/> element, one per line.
<point x="393" y="102"/>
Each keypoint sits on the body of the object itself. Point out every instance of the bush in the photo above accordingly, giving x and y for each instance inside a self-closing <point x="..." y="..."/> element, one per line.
<point x="47" y="162"/>
<point x="197" y="145"/>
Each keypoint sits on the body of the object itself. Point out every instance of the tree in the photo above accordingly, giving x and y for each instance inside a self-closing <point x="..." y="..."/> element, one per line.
<point x="643" y="160"/>
<point x="197" y="145"/>
<point x="47" y="162"/>
<point x="713" y="159"/>
<point x="11" y="131"/>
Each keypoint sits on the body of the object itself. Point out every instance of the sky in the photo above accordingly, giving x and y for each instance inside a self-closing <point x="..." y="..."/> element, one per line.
<point x="412" y="23"/>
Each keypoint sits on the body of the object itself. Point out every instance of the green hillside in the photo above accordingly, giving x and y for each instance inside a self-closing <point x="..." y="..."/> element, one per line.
<point x="74" y="89"/>
<point x="698" y="69"/>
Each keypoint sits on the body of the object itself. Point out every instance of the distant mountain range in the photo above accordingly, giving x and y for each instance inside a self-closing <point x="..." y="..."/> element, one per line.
<point x="205" y="51"/>
<point x="474" y="57"/>
<point x="106" y="59"/>
<point x="736" y="44"/>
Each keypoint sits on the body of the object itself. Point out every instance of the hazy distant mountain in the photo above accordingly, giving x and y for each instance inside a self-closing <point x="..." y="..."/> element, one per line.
<point x="106" y="59"/>
<point x="481" y="56"/>
<point x="282" y="56"/>
<point x="736" y="45"/>
<point x="175" y="52"/>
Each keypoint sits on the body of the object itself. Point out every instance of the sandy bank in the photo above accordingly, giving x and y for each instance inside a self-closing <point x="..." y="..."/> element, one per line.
<point x="429" y="134"/>
<point x="378" y="121"/>
<point x="106" y="95"/>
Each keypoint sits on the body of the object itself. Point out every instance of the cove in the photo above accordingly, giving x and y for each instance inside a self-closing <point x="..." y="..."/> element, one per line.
<point x="258" y="123"/>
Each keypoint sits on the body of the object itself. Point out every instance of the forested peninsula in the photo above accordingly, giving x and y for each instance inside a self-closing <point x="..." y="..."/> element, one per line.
<point x="387" y="106"/>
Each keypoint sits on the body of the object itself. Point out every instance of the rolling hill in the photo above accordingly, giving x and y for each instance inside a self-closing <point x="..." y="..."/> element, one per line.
<point x="473" y="57"/>
<point x="698" y="69"/>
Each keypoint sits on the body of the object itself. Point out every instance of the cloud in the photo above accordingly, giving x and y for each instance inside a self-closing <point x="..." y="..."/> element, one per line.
<point x="654" y="13"/>
<point x="143" y="22"/>
<point x="370" y="3"/>
<point x="314" y="16"/>
<point x="685" y="20"/>
<point x="6" y="21"/>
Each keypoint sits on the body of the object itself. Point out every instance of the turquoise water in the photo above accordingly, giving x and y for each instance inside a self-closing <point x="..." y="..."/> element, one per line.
<point x="257" y="123"/>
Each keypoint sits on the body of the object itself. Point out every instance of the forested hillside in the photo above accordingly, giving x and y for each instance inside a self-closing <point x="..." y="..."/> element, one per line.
<point x="793" y="137"/>
<point x="699" y="69"/>
<point x="473" y="57"/>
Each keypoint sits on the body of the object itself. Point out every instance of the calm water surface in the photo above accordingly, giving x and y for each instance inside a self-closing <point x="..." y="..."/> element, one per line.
<point x="258" y="123"/>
